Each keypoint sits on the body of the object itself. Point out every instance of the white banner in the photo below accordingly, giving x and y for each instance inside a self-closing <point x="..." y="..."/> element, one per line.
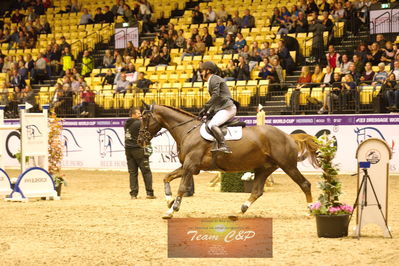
<point x="124" y="35"/>
<point x="99" y="143"/>
<point x="384" y="21"/>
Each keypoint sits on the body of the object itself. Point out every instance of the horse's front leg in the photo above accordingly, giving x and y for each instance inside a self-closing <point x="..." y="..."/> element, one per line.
<point x="168" y="178"/>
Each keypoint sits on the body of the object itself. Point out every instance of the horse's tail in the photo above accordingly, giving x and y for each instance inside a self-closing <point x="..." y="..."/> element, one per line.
<point x="307" y="148"/>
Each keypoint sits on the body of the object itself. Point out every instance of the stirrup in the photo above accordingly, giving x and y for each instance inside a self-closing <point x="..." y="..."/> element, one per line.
<point x="223" y="148"/>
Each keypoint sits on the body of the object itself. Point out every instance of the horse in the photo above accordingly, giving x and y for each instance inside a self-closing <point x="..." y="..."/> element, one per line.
<point x="262" y="149"/>
<point x="106" y="140"/>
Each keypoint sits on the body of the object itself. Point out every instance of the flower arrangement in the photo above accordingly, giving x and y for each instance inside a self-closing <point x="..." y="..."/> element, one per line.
<point x="330" y="185"/>
<point x="55" y="147"/>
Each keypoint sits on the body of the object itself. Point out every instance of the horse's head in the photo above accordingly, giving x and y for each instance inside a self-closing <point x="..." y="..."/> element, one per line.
<point x="149" y="125"/>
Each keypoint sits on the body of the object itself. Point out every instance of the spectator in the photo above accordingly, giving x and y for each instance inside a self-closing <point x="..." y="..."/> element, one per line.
<point x="231" y="28"/>
<point x="275" y="62"/>
<point x="239" y="43"/>
<point x="17" y="17"/>
<point x="265" y="51"/>
<point x="219" y="29"/>
<point x="197" y="17"/>
<point x="381" y="76"/>
<point x="222" y="13"/>
<point x="199" y="47"/>
<point x="210" y="15"/>
<point x="75" y="85"/>
<point x="99" y="16"/>
<point x="131" y="73"/>
<point x="328" y="77"/>
<point x="67" y="60"/>
<point x="28" y="97"/>
<point x="165" y="56"/>
<point x="254" y="56"/>
<point x="312" y="8"/>
<point x="242" y="69"/>
<point x="348" y="90"/>
<point x="359" y="66"/>
<point x="277" y="18"/>
<point x="122" y="85"/>
<point x="388" y="53"/>
<point x="155" y="57"/>
<point x="244" y="53"/>
<point x="331" y="95"/>
<point x="395" y="70"/>
<point x="108" y="78"/>
<point x="40" y="72"/>
<point x="285" y="57"/>
<point x="128" y="15"/>
<point x="266" y="72"/>
<point x="87" y="64"/>
<point x="206" y="38"/>
<point x="368" y="74"/>
<point x="391" y="90"/>
<point x="4" y="36"/>
<point x="332" y="57"/>
<point x="318" y="41"/>
<point x="237" y="19"/>
<point x="355" y="74"/>
<point x="39" y="7"/>
<point x="64" y="44"/>
<point x="301" y="23"/>
<point x="324" y="6"/>
<point x="108" y="15"/>
<point x="86" y="96"/>
<point x="375" y="54"/>
<point x="143" y="84"/>
<point x="22" y="70"/>
<point x="180" y="41"/>
<point x="86" y="18"/>
<point x="344" y="64"/>
<point x="230" y="72"/>
<point x="108" y="59"/>
<point x="14" y="101"/>
<point x="130" y="50"/>
<point x="117" y="9"/>
<point x="318" y="75"/>
<point x="145" y="16"/>
<point x="228" y="44"/>
<point x="362" y="52"/>
<point x="194" y="34"/>
<point x="380" y="40"/>
<point x="273" y="55"/>
<point x="339" y="12"/>
<point x="305" y="76"/>
<point x="16" y="80"/>
<point x="75" y="6"/>
<point x="248" y="21"/>
<point x="29" y="64"/>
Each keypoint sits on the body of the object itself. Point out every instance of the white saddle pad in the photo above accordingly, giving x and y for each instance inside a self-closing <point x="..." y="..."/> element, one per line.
<point x="233" y="133"/>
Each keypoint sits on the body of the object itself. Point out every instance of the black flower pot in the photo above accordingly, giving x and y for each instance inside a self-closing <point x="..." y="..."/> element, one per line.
<point x="332" y="226"/>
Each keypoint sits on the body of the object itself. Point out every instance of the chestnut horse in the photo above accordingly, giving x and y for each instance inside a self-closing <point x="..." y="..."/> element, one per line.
<point x="262" y="149"/>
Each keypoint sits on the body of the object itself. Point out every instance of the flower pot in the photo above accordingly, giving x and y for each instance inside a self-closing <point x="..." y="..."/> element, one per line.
<point x="332" y="225"/>
<point x="248" y="186"/>
<point x="58" y="189"/>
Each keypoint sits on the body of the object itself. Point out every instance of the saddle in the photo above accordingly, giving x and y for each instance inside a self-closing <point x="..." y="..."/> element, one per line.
<point x="232" y="130"/>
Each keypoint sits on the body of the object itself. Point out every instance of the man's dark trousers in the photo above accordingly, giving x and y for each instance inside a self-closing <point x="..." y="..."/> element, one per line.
<point x="135" y="160"/>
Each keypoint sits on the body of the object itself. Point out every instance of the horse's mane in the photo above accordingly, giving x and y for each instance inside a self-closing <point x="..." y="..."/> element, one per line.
<point x="179" y="110"/>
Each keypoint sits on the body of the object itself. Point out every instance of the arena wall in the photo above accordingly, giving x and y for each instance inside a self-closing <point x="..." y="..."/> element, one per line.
<point x="98" y="143"/>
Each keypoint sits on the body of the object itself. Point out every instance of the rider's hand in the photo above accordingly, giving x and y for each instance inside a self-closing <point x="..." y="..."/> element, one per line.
<point x="202" y="113"/>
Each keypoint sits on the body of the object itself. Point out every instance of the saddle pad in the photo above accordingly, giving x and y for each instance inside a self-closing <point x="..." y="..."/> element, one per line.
<point x="233" y="133"/>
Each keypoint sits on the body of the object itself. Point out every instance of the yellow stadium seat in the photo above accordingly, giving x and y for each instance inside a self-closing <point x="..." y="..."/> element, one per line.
<point x="305" y="93"/>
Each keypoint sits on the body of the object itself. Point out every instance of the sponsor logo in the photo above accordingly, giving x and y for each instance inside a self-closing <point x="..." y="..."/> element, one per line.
<point x="109" y="142"/>
<point x="70" y="142"/>
<point x="373" y="156"/>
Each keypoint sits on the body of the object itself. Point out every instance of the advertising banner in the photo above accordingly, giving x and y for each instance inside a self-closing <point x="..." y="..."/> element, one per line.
<point x="124" y="35"/>
<point x="99" y="143"/>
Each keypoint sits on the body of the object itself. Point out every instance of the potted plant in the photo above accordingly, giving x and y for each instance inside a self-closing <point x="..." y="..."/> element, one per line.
<point x="55" y="150"/>
<point x="332" y="216"/>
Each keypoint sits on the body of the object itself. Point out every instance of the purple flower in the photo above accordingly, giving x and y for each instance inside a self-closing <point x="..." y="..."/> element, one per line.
<point x="315" y="206"/>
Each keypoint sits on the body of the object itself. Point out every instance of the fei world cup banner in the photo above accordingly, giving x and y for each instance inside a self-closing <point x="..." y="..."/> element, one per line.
<point x="99" y="143"/>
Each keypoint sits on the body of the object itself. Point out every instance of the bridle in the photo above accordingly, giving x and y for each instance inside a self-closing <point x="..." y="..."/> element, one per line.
<point x="146" y="135"/>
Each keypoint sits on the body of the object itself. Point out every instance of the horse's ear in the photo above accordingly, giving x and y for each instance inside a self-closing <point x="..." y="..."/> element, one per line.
<point x="146" y="106"/>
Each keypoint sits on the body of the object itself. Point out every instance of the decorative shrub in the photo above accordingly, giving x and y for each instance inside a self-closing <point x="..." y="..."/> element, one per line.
<point x="231" y="182"/>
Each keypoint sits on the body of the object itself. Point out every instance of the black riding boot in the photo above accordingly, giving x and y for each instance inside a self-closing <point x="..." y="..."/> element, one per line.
<point x="221" y="145"/>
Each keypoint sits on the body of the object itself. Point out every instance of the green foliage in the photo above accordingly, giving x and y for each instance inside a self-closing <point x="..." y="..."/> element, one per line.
<point x="231" y="182"/>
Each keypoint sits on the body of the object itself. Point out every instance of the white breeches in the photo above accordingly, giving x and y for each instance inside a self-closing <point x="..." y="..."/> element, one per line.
<point x="223" y="116"/>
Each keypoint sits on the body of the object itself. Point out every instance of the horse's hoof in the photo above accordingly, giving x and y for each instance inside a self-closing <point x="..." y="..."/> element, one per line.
<point x="233" y="217"/>
<point x="167" y="216"/>
<point x="244" y="208"/>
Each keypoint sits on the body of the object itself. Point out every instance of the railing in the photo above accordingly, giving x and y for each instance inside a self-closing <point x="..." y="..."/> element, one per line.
<point x="382" y="26"/>
<point x="79" y="45"/>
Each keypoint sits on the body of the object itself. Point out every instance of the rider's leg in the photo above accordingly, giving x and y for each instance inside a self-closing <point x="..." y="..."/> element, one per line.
<point x="214" y="125"/>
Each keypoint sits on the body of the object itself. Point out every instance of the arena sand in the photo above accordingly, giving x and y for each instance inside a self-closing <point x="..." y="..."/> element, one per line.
<point x="96" y="223"/>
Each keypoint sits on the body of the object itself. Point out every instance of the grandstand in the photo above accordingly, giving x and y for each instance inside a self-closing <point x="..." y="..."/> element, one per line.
<point x="289" y="34"/>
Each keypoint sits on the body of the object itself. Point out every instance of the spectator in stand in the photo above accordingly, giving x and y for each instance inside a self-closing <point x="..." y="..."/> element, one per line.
<point x="275" y="62"/>
<point x="119" y="64"/>
<point x="145" y="49"/>
<point x="64" y="44"/>
<point x="354" y="73"/>
<point x="273" y="55"/>
<point x="145" y="15"/>
<point x="165" y="56"/>
<point x="237" y="19"/>
<point x="318" y="41"/>
<point x="312" y="8"/>
<point x="239" y="43"/>
<point x="76" y="6"/>
<point x="381" y="76"/>
<point x="229" y="73"/>
<point x="244" y="53"/>
<point x="228" y="44"/>
<point x="99" y="16"/>
<point x="305" y="76"/>
<point x="265" y="51"/>
<point x="155" y="58"/>
<point x="395" y="70"/>
<point x="339" y="12"/>
<point x="17" y="17"/>
<point x="301" y="23"/>
<point x="362" y="52"/>
<point x="344" y="64"/>
<point x="108" y="15"/>
<point x="391" y="90"/>
<point x="219" y="29"/>
<point x="108" y="59"/>
<point x="86" y="97"/>
<point x="206" y="38"/>
<point x="304" y="79"/>
<point x="75" y="85"/>
<point x="242" y="69"/>
<point x="318" y="75"/>
<point x="388" y="53"/>
<point x="67" y="60"/>
<point x="16" y="80"/>
<point x="130" y="50"/>
<point x="348" y="90"/>
<point x="122" y="85"/>
<point x="324" y="6"/>
<point x="22" y="70"/>
<point x="131" y="73"/>
<point x="359" y="66"/>
<point x="285" y="57"/>
<point x="276" y="19"/>
<point x="180" y="41"/>
<point x="198" y="16"/>
<point x="351" y="17"/>
<point x="4" y="35"/>
<point x="248" y="21"/>
<point x="108" y="78"/>
<point x="231" y="28"/>
<point x="86" y="18"/>
<point x="87" y="64"/>
<point x="294" y="11"/>
<point x="368" y="74"/>
<point x="14" y="37"/>
<point x="254" y="57"/>
<point x="199" y="47"/>
<point x="29" y="64"/>
<point x="210" y="15"/>
<point x="222" y="13"/>
<point x="328" y="77"/>
<point x="267" y="72"/>
<point x="332" y="94"/>
<point x="143" y="84"/>
<point x="380" y="40"/>
<point x="128" y="15"/>
<point x="375" y="54"/>
<point x="117" y="9"/>
<point x="40" y="70"/>
<point x="332" y="57"/>
<point x="28" y="96"/>
<point x="22" y="40"/>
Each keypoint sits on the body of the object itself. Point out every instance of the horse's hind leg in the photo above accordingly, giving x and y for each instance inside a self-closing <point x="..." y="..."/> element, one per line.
<point x="168" y="178"/>
<point x="261" y="175"/>
<point x="302" y="182"/>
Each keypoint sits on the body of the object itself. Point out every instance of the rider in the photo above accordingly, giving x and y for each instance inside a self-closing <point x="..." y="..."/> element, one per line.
<point x="221" y="104"/>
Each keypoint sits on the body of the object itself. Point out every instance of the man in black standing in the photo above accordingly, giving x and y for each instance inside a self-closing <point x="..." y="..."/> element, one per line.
<point x="136" y="156"/>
